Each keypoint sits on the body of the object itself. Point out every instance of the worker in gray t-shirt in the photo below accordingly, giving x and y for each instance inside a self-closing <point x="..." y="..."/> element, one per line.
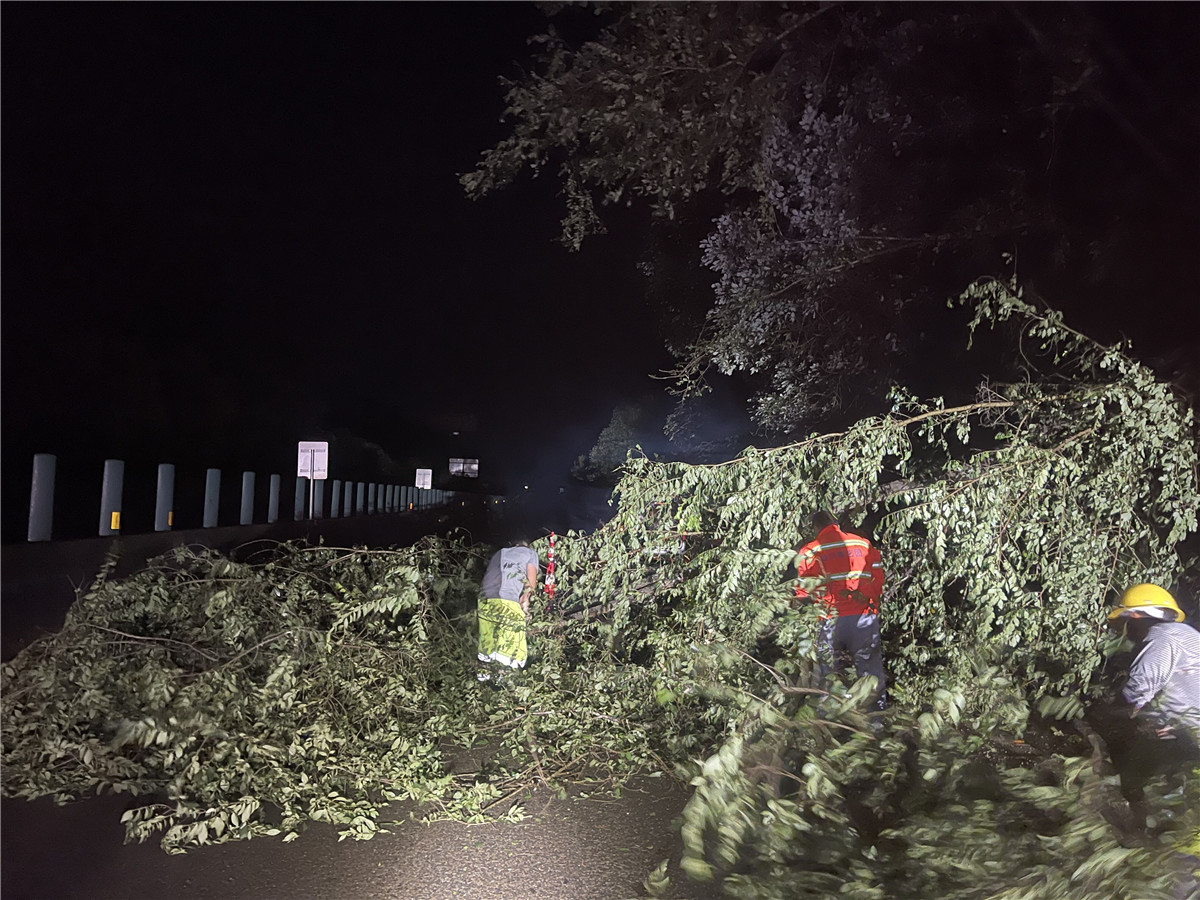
<point x="508" y="586"/>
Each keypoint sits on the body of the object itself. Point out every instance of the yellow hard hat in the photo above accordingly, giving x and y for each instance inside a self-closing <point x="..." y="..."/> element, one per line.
<point x="1141" y="596"/>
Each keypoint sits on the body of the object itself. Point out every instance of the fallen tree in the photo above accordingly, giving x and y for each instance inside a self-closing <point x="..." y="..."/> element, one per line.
<point x="321" y="684"/>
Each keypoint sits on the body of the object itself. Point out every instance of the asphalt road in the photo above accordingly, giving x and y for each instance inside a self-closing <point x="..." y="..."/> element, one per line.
<point x="569" y="849"/>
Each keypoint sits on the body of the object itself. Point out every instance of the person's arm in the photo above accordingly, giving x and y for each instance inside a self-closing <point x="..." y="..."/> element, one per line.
<point x="1147" y="676"/>
<point x="873" y="589"/>
<point x="806" y="567"/>
<point x="531" y="573"/>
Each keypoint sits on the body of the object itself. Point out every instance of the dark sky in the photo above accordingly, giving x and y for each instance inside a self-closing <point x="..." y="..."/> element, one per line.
<point x="229" y="227"/>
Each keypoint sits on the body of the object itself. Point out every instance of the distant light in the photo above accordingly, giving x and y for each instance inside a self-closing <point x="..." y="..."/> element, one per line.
<point x="526" y="487"/>
<point x="455" y="433"/>
<point x="468" y="468"/>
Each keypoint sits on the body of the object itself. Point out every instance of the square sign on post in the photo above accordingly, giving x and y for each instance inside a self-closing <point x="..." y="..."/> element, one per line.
<point x="313" y="465"/>
<point x="425" y="478"/>
<point x="314" y="460"/>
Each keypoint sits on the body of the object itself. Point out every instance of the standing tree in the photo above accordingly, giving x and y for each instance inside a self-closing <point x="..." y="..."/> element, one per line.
<point x="868" y="160"/>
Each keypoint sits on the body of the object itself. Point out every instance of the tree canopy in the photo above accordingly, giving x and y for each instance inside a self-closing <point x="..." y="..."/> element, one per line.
<point x="862" y="160"/>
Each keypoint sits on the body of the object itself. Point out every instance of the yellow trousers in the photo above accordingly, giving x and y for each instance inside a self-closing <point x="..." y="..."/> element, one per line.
<point x="502" y="632"/>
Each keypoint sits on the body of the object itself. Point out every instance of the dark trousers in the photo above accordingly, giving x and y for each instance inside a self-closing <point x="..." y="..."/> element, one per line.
<point x="1139" y="755"/>
<point x="852" y="639"/>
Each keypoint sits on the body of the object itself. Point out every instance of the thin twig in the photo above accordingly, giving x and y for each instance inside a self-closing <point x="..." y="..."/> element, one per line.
<point x="525" y="785"/>
<point x="234" y="659"/>
<point x="153" y="640"/>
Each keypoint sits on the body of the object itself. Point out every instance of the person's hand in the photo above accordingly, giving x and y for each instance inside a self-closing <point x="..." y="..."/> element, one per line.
<point x="1151" y="730"/>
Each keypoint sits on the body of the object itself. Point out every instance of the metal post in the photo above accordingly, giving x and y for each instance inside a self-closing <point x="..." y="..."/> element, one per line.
<point x="347" y="497"/>
<point x="312" y="483"/>
<point x="273" y="502"/>
<point x="391" y="498"/>
<point x="360" y="505"/>
<point x="164" y="501"/>
<point x="110" y="496"/>
<point x="247" y="498"/>
<point x="212" y="497"/>
<point x="371" y="499"/>
<point x="41" y="497"/>
<point x="334" y="497"/>
<point x="318" y="498"/>
<point x="301" y="485"/>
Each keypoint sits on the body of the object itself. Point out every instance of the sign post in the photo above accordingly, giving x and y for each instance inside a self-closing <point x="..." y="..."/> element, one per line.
<point x="313" y="465"/>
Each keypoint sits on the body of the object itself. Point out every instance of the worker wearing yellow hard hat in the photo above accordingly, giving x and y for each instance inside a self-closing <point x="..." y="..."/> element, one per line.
<point x="1164" y="679"/>
<point x="1148" y="600"/>
<point x="1161" y="692"/>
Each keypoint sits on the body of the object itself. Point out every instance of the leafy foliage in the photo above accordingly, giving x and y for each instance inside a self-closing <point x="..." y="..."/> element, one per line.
<point x="218" y="687"/>
<point x="934" y="806"/>
<point x="241" y="700"/>
<point x="602" y="464"/>
<point x="860" y="159"/>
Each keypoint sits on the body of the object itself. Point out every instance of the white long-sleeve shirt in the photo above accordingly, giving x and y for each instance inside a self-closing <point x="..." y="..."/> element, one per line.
<point x="1167" y="672"/>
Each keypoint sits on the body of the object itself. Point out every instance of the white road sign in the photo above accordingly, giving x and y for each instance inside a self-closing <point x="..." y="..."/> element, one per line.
<point x="314" y="460"/>
<point x="425" y="478"/>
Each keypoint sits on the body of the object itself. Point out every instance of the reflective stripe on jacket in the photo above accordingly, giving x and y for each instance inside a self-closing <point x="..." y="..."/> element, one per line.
<point x="850" y="568"/>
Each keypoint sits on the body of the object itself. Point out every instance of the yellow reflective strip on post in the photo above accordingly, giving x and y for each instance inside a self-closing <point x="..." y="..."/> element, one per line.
<point x="116" y="521"/>
<point x="170" y="517"/>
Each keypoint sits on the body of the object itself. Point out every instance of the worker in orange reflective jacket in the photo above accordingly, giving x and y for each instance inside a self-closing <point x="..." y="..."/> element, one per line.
<point x="851" y="573"/>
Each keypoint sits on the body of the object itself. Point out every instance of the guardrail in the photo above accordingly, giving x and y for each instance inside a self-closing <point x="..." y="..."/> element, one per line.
<point x="347" y="498"/>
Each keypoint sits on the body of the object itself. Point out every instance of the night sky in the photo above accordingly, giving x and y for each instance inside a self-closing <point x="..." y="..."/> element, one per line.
<point x="230" y="227"/>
